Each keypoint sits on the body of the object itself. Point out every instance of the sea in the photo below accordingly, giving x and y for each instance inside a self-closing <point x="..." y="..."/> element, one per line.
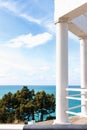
<point x="49" y="89"/>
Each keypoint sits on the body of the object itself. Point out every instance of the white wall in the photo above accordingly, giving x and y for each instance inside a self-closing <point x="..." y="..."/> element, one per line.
<point x="63" y="7"/>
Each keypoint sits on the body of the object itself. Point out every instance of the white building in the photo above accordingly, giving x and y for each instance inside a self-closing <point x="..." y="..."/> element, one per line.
<point x="69" y="15"/>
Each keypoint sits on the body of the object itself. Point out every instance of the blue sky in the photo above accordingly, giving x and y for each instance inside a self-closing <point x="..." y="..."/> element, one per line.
<point x="27" y="44"/>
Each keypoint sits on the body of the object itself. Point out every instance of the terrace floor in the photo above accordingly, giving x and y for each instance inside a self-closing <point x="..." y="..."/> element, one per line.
<point x="77" y="123"/>
<point x="73" y="120"/>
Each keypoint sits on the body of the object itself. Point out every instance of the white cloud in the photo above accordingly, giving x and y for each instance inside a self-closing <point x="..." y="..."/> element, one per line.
<point x="14" y="67"/>
<point x="44" y="68"/>
<point x="74" y="75"/>
<point x="17" y="10"/>
<point x="73" y="37"/>
<point x="12" y="7"/>
<point x="30" y="18"/>
<point x="77" y="70"/>
<point x="29" y="40"/>
<point x="50" y="26"/>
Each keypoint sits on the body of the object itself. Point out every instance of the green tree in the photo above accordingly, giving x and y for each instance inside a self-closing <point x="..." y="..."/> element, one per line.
<point x="26" y="93"/>
<point x="10" y="117"/>
<point x="23" y="104"/>
<point x="7" y="101"/>
<point x="30" y="109"/>
<point x="44" y="103"/>
<point x="3" y="114"/>
<point x="17" y="114"/>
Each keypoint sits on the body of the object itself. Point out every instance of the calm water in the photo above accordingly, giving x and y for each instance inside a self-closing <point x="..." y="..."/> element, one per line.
<point x="48" y="89"/>
<point x="13" y="88"/>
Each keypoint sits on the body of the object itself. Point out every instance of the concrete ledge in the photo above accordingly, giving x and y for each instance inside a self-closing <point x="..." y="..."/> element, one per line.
<point x="11" y="126"/>
<point x="55" y="127"/>
<point x="44" y="127"/>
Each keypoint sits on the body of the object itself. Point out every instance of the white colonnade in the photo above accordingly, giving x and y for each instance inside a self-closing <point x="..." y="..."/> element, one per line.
<point x="72" y="16"/>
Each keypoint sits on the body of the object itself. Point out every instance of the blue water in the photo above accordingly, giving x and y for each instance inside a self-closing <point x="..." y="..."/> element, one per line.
<point x="72" y="103"/>
<point x="47" y="88"/>
<point x="13" y="88"/>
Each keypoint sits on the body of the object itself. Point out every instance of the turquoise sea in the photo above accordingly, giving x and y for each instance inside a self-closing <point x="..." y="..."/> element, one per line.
<point x="47" y="88"/>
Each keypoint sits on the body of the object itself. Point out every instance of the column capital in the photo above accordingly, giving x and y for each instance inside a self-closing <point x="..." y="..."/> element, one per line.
<point x="82" y="37"/>
<point x="62" y="20"/>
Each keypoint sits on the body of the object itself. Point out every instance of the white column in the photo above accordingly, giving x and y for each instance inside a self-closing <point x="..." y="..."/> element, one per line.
<point x="83" y="58"/>
<point x="61" y="72"/>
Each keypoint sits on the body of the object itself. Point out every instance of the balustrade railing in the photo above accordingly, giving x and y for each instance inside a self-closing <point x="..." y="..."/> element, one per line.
<point x="75" y="97"/>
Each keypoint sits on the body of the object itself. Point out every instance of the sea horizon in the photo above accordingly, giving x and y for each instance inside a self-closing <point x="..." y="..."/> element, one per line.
<point x="13" y="88"/>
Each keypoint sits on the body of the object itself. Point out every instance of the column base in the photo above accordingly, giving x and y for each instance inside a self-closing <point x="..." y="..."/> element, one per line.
<point x="32" y="122"/>
<point x="62" y="123"/>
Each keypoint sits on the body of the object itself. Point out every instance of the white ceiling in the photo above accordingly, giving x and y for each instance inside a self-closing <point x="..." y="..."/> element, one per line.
<point x="78" y="26"/>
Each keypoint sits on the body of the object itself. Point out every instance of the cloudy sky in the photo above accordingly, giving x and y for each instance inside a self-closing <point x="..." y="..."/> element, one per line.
<point x="27" y="44"/>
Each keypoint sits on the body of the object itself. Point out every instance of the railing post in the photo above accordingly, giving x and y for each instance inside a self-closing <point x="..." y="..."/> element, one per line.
<point x="83" y="57"/>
